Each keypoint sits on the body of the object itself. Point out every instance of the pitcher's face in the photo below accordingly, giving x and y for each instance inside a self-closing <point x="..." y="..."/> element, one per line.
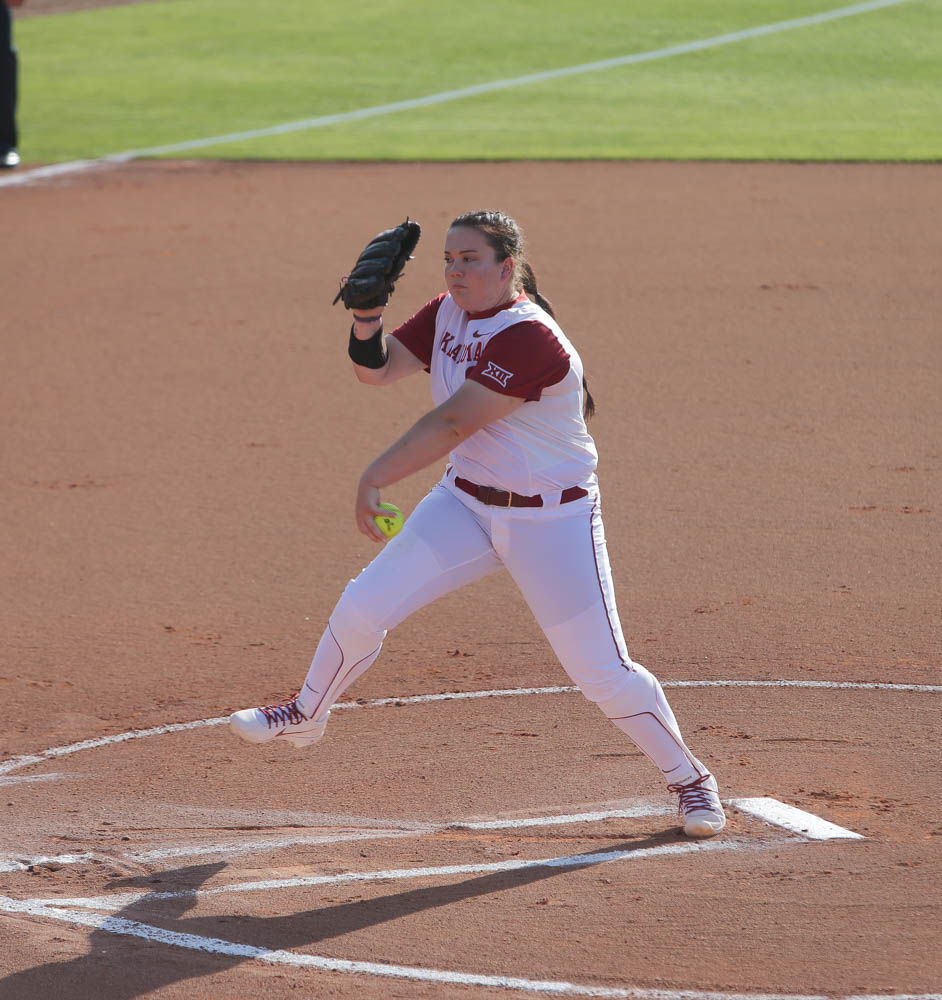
<point x="474" y="276"/>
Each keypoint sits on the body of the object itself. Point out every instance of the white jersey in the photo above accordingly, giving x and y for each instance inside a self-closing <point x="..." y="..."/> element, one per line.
<point x="554" y="551"/>
<point x="519" y="350"/>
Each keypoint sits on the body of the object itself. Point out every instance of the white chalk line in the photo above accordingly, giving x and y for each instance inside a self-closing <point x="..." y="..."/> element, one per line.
<point x="117" y="901"/>
<point x="19" y="863"/>
<point x="133" y="928"/>
<point x="830" y="685"/>
<point x="31" y="779"/>
<point x="15" y="864"/>
<point x="26" y="760"/>
<point x="229" y="849"/>
<point x="15" y="763"/>
<point x="770" y="810"/>
<point x="9" y="863"/>
<point x="641" y="811"/>
<point x="193" y="942"/>
<point x="236" y="848"/>
<point x="53" y="908"/>
<point x="322" y="121"/>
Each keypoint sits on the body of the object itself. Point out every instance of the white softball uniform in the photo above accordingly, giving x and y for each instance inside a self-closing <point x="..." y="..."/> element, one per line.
<point x="552" y="544"/>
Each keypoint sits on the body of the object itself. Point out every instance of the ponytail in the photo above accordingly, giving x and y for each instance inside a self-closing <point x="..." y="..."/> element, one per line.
<point x="588" y="408"/>
<point x="528" y="281"/>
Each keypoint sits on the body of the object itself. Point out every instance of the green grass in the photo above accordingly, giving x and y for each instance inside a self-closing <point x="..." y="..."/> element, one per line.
<point x="120" y="78"/>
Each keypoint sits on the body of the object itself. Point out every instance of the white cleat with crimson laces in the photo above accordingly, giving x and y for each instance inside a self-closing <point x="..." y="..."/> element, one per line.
<point x="700" y="806"/>
<point x="285" y="722"/>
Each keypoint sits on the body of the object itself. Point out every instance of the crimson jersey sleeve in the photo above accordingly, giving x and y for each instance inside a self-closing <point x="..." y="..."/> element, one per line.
<point x="418" y="333"/>
<point x="522" y="360"/>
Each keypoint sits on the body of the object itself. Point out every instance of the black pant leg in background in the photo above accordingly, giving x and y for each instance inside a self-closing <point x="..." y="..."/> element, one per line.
<point x="8" y="136"/>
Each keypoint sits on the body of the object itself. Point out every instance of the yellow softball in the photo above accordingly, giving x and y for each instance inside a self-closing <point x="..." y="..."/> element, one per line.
<point x="389" y="524"/>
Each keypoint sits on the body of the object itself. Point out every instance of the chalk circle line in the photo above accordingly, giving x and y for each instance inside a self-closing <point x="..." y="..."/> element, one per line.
<point x="27" y="760"/>
<point x="769" y="810"/>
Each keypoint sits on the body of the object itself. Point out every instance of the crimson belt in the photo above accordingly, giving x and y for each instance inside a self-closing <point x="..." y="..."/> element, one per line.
<point x="504" y="498"/>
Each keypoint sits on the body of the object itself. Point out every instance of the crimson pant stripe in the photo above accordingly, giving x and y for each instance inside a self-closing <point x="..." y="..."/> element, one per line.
<point x="334" y="683"/>
<point x="598" y="576"/>
<point x="680" y="745"/>
<point x="317" y="707"/>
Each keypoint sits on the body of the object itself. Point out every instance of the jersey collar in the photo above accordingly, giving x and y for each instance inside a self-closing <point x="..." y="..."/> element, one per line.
<point x="522" y="297"/>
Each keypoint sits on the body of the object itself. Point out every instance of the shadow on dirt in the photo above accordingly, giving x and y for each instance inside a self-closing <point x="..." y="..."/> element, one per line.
<point x="120" y="967"/>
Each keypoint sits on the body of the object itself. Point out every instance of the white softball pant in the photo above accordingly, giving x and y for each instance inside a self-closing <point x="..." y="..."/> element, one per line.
<point x="558" y="559"/>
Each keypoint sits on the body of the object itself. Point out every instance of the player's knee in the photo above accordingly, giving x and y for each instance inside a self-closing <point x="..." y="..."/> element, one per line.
<point x="353" y="619"/>
<point x="603" y="692"/>
<point x="619" y="690"/>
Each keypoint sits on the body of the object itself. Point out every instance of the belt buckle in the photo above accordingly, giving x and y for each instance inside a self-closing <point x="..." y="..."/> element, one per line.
<point x="487" y="495"/>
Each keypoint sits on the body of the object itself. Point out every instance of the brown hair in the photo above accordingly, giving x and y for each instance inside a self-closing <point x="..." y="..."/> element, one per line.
<point x="505" y="236"/>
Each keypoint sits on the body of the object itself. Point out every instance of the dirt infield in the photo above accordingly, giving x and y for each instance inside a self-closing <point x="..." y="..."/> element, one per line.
<point x="181" y="441"/>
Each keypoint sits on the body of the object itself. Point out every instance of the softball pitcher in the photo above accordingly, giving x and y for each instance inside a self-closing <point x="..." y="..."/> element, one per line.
<point x="519" y="493"/>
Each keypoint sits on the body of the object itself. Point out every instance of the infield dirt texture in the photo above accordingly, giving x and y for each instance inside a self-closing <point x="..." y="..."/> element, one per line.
<point x="180" y="437"/>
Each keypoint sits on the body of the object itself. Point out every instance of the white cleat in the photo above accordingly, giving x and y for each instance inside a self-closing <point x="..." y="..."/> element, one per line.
<point x="277" y="722"/>
<point x="700" y="807"/>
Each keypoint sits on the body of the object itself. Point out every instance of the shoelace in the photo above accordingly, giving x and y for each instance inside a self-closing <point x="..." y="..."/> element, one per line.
<point x="287" y="712"/>
<point x="694" y="796"/>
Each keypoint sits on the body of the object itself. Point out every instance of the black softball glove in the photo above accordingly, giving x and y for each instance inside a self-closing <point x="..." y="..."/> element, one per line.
<point x="374" y="275"/>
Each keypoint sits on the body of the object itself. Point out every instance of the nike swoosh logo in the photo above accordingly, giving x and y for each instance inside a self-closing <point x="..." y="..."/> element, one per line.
<point x="479" y="334"/>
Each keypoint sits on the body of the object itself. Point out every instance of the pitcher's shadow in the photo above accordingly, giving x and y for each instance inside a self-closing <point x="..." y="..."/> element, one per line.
<point x="119" y="967"/>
